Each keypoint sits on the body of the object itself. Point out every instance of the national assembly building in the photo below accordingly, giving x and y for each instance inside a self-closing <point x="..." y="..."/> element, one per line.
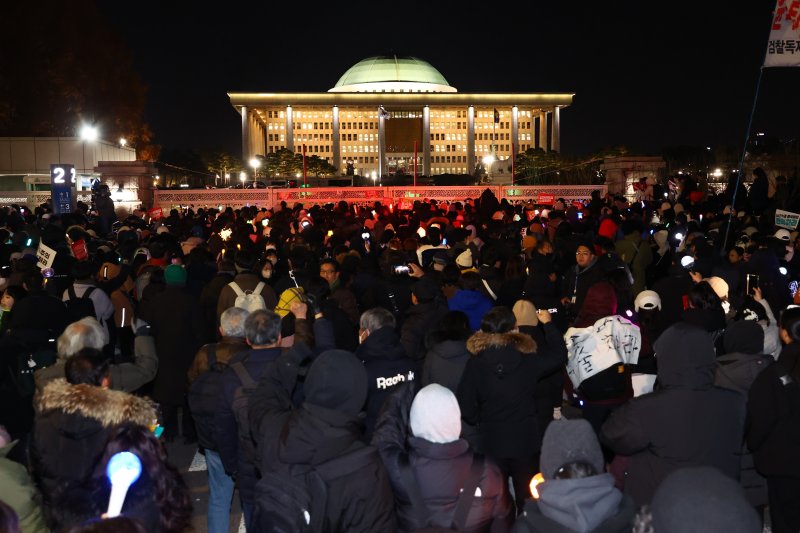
<point x="384" y="111"/>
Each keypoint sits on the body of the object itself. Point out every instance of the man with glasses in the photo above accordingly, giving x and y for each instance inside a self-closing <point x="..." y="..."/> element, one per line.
<point x="330" y="272"/>
<point x="579" y="277"/>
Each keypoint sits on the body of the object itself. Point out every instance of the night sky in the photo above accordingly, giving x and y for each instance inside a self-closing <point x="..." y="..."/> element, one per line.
<point x="645" y="74"/>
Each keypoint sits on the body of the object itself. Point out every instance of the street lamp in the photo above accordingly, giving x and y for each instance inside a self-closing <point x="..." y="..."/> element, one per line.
<point x="243" y="177"/>
<point x="123" y="142"/>
<point x="88" y="133"/>
<point x="487" y="162"/>
<point x="255" y="163"/>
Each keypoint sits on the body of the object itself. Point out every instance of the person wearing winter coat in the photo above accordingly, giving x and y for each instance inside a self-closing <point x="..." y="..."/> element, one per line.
<point x="635" y="252"/>
<point x="74" y="418"/>
<point x="328" y="424"/>
<point x="774" y="419"/>
<point x="497" y="391"/>
<point x="428" y="306"/>
<point x="743" y="361"/>
<point x="448" y="355"/>
<point x="686" y="421"/>
<point x="601" y="348"/>
<point x="470" y="300"/>
<point x="384" y="358"/>
<point x="574" y="492"/>
<point x="429" y="465"/>
<point x="580" y="276"/>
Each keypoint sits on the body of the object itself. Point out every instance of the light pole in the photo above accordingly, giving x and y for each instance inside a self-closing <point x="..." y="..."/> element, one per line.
<point x="487" y="162"/>
<point x="255" y="163"/>
<point x="88" y="133"/>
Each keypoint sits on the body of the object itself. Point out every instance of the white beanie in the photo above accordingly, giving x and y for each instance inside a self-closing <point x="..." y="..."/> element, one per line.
<point x="464" y="259"/>
<point x="435" y="415"/>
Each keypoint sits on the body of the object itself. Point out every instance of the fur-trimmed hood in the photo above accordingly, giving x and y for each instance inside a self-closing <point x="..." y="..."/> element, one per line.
<point x="109" y="407"/>
<point x="481" y="341"/>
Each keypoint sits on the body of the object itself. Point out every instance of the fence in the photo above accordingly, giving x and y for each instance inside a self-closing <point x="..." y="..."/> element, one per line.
<point x="221" y="198"/>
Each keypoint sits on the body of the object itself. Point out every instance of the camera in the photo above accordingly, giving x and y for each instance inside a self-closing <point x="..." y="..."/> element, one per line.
<point x="402" y="269"/>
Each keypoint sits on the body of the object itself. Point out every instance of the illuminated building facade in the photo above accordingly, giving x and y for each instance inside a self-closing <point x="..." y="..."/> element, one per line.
<point x="383" y="109"/>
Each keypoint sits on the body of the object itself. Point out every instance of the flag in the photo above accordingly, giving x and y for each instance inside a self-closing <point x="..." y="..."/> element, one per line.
<point x="783" y="47"/>
<point x="496" y="115"/>
<point x="383" y="113"/>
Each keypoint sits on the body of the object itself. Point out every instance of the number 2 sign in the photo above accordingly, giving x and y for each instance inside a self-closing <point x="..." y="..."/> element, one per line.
<point x="62" y="185"/>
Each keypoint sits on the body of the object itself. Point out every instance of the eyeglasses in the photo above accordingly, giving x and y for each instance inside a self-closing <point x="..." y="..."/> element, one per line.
<point x="583" y="253"/>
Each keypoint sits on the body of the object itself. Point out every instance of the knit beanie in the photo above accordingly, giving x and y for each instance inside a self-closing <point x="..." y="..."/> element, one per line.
<point x="701" y="499"/>
<point x="569" y="441"/>
<point x="337" y="380"/>
<point x="175" y="275"/>
<point x="525" y="312"/>
<point x="435" y="415"/>
<point x="464" y="259"/>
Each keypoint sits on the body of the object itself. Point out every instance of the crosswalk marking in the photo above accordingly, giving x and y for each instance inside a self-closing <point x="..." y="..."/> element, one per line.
<point x="198" y="463"/>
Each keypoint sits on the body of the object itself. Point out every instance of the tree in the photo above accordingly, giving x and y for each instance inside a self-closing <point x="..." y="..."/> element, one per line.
<point x="56" y="77"/>
<point x="221" y="163"/>
<point x="319" y="166"/>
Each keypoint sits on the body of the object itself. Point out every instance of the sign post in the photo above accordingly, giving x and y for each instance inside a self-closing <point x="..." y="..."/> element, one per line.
<point x="62" y="187"/>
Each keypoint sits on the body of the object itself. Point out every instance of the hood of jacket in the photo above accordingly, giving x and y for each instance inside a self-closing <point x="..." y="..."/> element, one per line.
<point x="381" y="344"/>
<point x="686" y="358"/>
<point x="106" y="406"/>
<point x="315" y="434"/>
<point x="469" y="299"/>
<point x="579" y="504"/>
<point x="600" y="302"/>
<point x="449" y="349"/>
<point x="481" y="341"/>
<point x="744" y="336"/>
<point x="707" y="319"/>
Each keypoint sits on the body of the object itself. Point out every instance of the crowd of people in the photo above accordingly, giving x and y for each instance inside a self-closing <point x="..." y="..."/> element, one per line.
<point x="478" y="365"/>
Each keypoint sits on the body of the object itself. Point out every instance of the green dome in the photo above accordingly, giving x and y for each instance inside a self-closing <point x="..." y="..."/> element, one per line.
<point x="392" y="74"/>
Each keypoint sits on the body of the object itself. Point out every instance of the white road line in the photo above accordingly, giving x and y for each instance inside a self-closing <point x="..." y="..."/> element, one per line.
<point x="198" y="463"/>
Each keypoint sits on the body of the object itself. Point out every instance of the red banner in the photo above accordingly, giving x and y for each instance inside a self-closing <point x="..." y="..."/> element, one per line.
<point x="79" y="250"/>
<point x="156" y="213"/>
<point x="545" y="199"/>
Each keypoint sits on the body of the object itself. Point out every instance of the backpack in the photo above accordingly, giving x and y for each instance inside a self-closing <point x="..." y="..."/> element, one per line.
<point x="248" y="300"/>
<point x="203" y="397"/>
<point x="143" y="280"/>
<point x="293" y="498"/>
<point x="463" y="503"/>
<point x="239" y="408"/>
<point x="79" y="307"/>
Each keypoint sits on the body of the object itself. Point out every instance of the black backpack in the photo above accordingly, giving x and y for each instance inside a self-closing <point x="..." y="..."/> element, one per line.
<point x="79" y="307"/>
<point x="203" y="397"/>
<point x="240" y="400"/>
<point x="293" y="498"/>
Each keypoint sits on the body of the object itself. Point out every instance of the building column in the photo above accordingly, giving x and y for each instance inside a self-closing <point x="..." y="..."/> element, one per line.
<point x="471" y="140"/>
<point x="542" y="143"/>
<point x="555" y="132"/>
<point x="289" y="129"/>
<point x="426" y="141"/>
<point x="245" y="135"/>
<point x="514" y="131"/>
<point x="335" y="137"/>
<point x="381" y="143"/>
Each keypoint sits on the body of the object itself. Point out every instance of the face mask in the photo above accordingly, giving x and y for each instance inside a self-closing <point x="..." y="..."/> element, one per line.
<point x="726" y="307"/>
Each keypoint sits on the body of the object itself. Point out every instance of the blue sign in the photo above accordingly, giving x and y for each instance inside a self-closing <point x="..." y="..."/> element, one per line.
<point x="62" y="186"/>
